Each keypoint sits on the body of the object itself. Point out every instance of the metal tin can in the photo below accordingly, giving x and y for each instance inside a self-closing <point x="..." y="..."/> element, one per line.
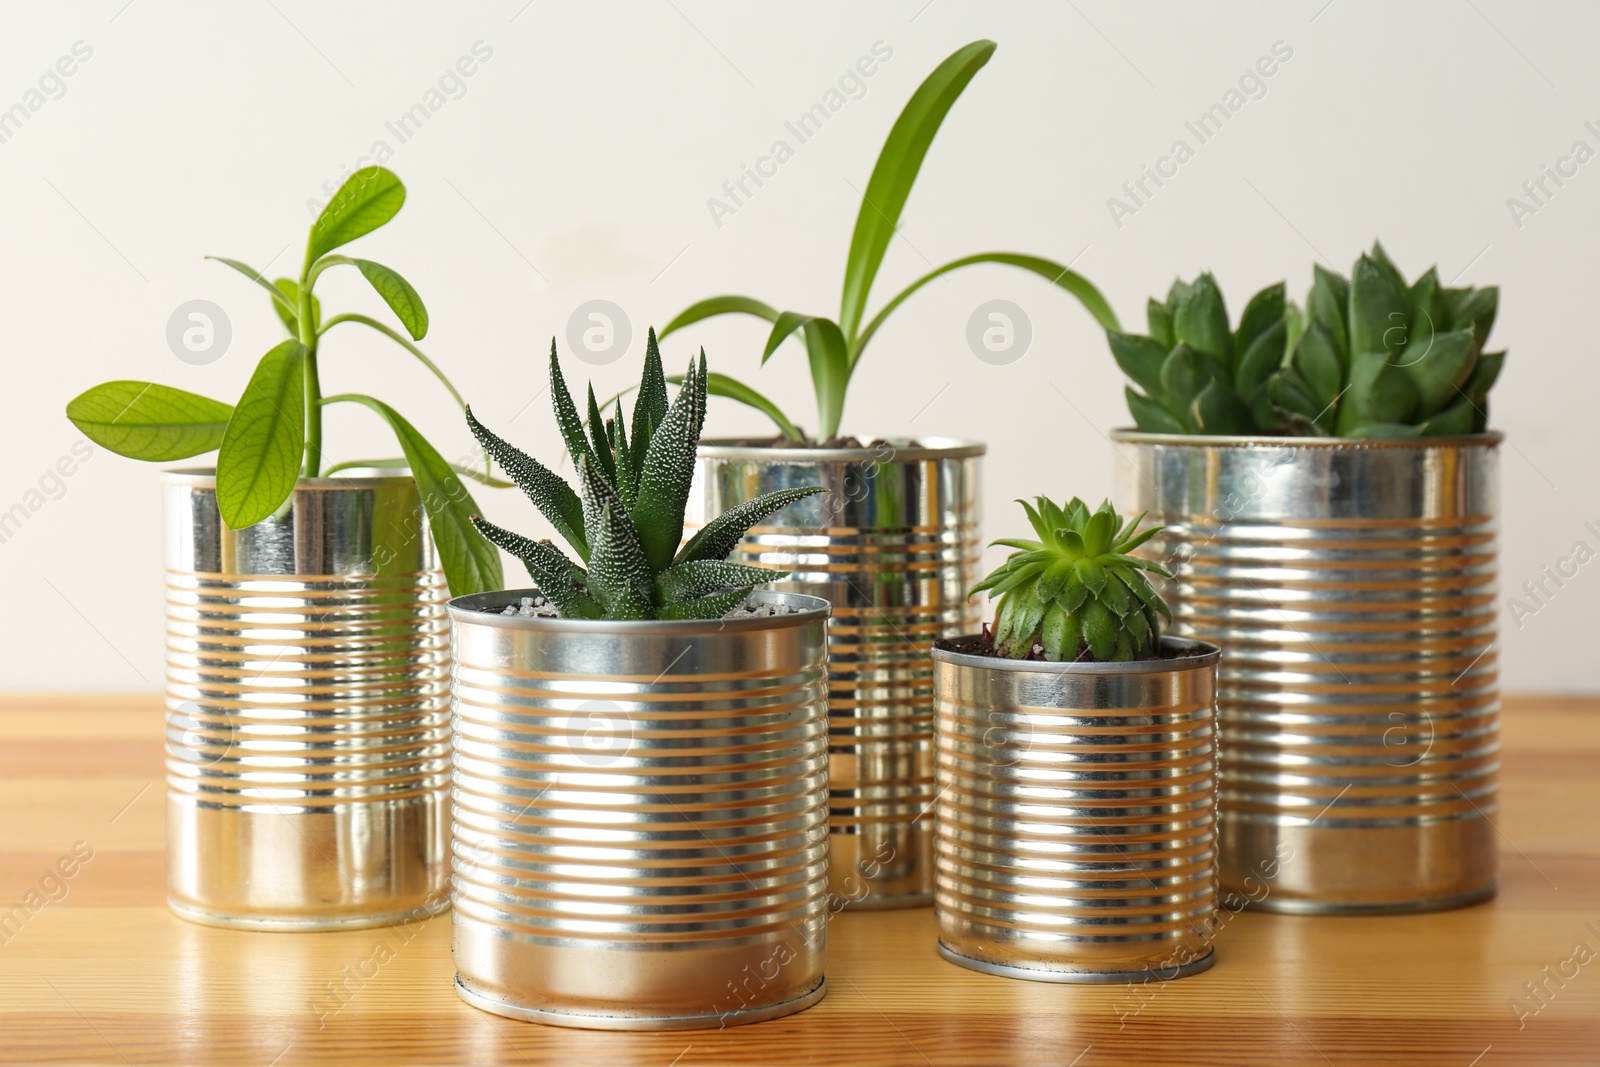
<point x="307" y="730"/>
<point x="1352" y="586"/>
<point x="894" y="545"/>
<point x="640" y="815"/>
<point x="1077" y="815"/>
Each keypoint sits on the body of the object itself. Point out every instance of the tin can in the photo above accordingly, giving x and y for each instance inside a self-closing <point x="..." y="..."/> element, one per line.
<point x="1077" y="815"/>
<point x="307" y="732"/>
<point x="893" y="544"/>
<point x="640" y="815"/>
<point x="1352" y="586"/>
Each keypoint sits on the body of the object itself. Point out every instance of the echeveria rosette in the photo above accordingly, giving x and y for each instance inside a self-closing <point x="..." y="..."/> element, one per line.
<point x="625" y="521"/>
<point x="1368" y="356"/>
<point x="1077" y="592"/>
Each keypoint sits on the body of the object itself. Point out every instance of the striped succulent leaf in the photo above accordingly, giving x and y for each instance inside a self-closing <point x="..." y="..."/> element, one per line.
<point x="626" y="519"/>
<point x="1077" y="592"/>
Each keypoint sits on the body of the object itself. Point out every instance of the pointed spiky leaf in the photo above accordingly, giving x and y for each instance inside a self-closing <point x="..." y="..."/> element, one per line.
<point x="567" y="419"/>
<point x="627" y="471"/>
<point x="562" y="582"/>
<point x="714" y="606"/>
<point x="549" y="492"/>
<point x="620" y="577"/>
<point x="682" y="581"/>
<point x="599" y="441"/>
<point x="667" y="473"/>
<point x="719" y="536"/>
<point x="1100" y="629"/>
<point x="651" y="406"/>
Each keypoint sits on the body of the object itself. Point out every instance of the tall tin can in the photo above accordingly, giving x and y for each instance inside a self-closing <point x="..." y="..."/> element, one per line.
<point x="893" y="544"/>
<point x="307" y="733"/>
<point x="1352" y="586"/>
<point x="640" y="816"/>
<point x="1077" y="815"/>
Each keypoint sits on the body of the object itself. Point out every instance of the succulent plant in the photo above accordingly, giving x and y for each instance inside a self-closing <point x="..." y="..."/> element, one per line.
<point x="625" y="522"/>
<point x="1077" y="592"/>
<point x="1369" y="356"/>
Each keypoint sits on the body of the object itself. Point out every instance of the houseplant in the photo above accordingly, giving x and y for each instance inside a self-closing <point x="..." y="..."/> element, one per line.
<point x="1076" y="836"/>
<point x="1329" y="489"/>
<point x="306" y="674"/>
<point x="640" y="805"/>
<point x="894" y="543"/>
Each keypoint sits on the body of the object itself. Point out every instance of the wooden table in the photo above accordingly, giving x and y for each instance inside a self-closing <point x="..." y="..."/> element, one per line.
<point x="104" y="974"/>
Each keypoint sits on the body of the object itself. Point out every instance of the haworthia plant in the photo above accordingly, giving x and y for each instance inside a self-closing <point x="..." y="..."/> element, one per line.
<point x="273" y="436"/>
<point x="835" y="346"/>
<point x="1369" y="356"/>
<point x="1078" y="592"/>
<point x="624" y="522"/>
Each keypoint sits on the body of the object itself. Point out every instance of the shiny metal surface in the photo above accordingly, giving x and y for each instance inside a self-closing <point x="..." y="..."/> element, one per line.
<point x="640" y="816"/>
<point x="1352" y="586"/>
<point x="307" y="716"/>
<point x="893" y="545"/>
<point x="1076" y="836"/>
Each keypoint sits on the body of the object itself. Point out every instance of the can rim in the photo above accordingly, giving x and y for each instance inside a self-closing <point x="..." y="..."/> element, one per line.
<point x="359" y="478"/>
<point x="1198" y="656"/>
<point x="903" y="450"/>
<point x="470" y="609"/>
<point x="1129" y="435"/>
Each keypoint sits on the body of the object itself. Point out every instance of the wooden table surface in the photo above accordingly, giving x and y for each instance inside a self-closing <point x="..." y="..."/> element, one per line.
<point x="102" y="973"/>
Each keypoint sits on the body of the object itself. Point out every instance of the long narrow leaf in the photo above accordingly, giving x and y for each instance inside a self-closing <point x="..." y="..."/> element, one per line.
<point x="787" y="323"/>
<point x="1054" y="273"/>
<point x="255" y="276"/>
<point x="668" y="470"/>
<point x="733" y="389"/>
<point x="830" y="373"/>
<point x="720" y="305"/>
<point x="896" y="172"/>
<point x="548" y="491"/>
<point x="719" y="536"/>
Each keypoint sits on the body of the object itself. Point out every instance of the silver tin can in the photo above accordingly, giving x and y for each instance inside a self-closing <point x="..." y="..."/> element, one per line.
<point x="1077" y="815"/>
<point x="894" y="545"/>
<point x="1352" y="586"/>
<point x="307" y="708"/>
<point x="640" y="816"/>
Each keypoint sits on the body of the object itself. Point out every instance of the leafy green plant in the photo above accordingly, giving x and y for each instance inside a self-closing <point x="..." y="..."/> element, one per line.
<point x="835" y="346"/>
<point x="1370" y="356"/>
<point x="625" y="521"/>
<point x="1077" y="592"/>
<point x="273" y="436"/>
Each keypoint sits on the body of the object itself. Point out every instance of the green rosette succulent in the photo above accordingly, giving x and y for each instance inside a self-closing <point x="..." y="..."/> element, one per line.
<point x="1368" y="356"/>
<point x="1078" y="592"/>
<point x="625" y="521"/>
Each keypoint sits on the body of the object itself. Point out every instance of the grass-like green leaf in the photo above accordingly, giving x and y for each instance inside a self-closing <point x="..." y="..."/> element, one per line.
<point x="719" y="305"/>
<point x="471" y="564"/>
<point x="733" y="389"/>
<point x="143" y="420"/>
<point x="398" y="294"/>
<point x="830" y="373"/>
<point x="787" y="323"/>
<point x="259" y="459"/>
<point x="369" y="198"/>
<point x="896" y="172"/>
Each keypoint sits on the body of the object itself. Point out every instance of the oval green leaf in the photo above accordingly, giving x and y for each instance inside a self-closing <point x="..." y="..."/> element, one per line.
<point x="143" y="420"/>
<point x="259" y="459"/>
<point x="368" y="199"/>
<point x="398" y="294"/>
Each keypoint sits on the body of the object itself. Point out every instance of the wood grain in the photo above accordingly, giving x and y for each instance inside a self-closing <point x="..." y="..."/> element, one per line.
<point x="105" y="974"/>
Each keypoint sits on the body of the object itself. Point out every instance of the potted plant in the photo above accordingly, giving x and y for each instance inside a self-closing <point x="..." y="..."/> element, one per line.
<point x="895" y="541"/>
<point x="1076" y="835"/>
<point x="307" y="721"/>
<point x="640" y="805"/>
<point x="1329" y="487"/>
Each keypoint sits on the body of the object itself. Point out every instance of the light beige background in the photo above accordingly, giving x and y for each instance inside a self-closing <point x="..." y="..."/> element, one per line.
<point x="577" y="165"/>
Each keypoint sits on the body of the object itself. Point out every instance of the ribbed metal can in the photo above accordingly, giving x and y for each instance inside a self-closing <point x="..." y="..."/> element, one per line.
<point x="893" y="544"/>
<point x="1352" y="586"/>
<point x="1077" y="815"/>
<point x="639" y="826"/>
<point x="307" y="733"/>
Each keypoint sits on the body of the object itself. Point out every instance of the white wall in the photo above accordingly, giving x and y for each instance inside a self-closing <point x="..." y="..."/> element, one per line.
<point x="578" y="165"/>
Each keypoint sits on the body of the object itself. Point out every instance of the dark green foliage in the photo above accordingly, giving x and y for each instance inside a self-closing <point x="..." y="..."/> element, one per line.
<point x="1369" y="356"/>
<point x="1078" y="592"/>
<point x="625" y="521"/>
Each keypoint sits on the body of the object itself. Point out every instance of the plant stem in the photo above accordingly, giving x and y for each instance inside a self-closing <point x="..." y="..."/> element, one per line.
<point x="308" y="338"/>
